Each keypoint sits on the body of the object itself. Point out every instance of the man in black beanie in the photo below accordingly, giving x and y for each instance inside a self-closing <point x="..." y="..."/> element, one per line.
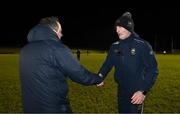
<point x="135" y="66"/>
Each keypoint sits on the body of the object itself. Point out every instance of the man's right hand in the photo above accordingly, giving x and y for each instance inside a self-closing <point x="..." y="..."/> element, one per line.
<point x="100" y="84"/>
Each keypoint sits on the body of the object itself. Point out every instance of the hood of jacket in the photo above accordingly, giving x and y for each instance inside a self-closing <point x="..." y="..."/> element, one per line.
<point x="41" y="32"/>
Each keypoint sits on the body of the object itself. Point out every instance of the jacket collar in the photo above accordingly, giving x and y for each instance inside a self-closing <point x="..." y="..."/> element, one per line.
<point x="129" y="39"/>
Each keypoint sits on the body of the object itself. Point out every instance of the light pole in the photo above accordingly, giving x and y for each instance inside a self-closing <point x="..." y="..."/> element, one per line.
<point x="155" y="43"/>
<point x="172" y="45"/>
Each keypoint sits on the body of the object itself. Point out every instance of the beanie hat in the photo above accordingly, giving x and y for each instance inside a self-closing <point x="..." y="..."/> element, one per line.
<point x="126" y="21"/>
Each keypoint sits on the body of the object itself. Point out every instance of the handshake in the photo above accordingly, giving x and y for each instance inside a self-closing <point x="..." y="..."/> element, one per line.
<point x="102" y="83"/>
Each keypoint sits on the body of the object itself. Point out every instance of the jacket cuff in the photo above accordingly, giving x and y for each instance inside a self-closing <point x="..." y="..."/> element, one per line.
<point x="144" y="92"/>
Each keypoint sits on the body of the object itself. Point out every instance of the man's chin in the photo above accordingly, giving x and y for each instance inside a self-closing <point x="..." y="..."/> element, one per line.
<point x="122" y="38"/>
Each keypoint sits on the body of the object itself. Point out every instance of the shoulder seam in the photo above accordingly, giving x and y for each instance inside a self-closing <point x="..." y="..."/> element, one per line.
<point x="139" y="41"/>
<point x="117" y="42"/>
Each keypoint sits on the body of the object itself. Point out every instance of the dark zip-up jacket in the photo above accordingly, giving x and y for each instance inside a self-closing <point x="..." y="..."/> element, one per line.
<point x="135" y="64"/>
<point x="45" y="65"/>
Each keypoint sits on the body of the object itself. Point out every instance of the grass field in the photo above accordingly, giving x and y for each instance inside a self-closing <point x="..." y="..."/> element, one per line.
<point x="164" y="97"/>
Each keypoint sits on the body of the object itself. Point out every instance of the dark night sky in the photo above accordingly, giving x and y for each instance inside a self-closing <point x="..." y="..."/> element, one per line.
<point x="93" y="27"/>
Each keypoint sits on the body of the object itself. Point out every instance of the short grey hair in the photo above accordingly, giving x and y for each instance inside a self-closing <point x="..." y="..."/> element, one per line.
<point x="52" y="22"/>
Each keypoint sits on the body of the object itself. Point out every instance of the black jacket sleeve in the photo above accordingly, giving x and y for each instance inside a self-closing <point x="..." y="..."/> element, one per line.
<point x="71" y="67"/>
<point x="150" y="68"/>
<point x="107" y="65"/>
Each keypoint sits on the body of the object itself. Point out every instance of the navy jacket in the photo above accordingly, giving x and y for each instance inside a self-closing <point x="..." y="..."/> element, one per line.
<point x="134" y="62"/>
<point x="45" y="64"/>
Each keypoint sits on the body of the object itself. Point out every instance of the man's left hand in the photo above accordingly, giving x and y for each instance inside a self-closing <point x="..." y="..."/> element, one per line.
<point x="138" y="97"/>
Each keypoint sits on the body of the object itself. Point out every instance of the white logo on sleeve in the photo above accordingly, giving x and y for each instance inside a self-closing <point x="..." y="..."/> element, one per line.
<point x="151" y="52"/>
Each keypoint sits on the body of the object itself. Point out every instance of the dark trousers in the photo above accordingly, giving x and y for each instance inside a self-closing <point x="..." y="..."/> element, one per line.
<point x="64" y="108"/>
<point x="125" y="105"/>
